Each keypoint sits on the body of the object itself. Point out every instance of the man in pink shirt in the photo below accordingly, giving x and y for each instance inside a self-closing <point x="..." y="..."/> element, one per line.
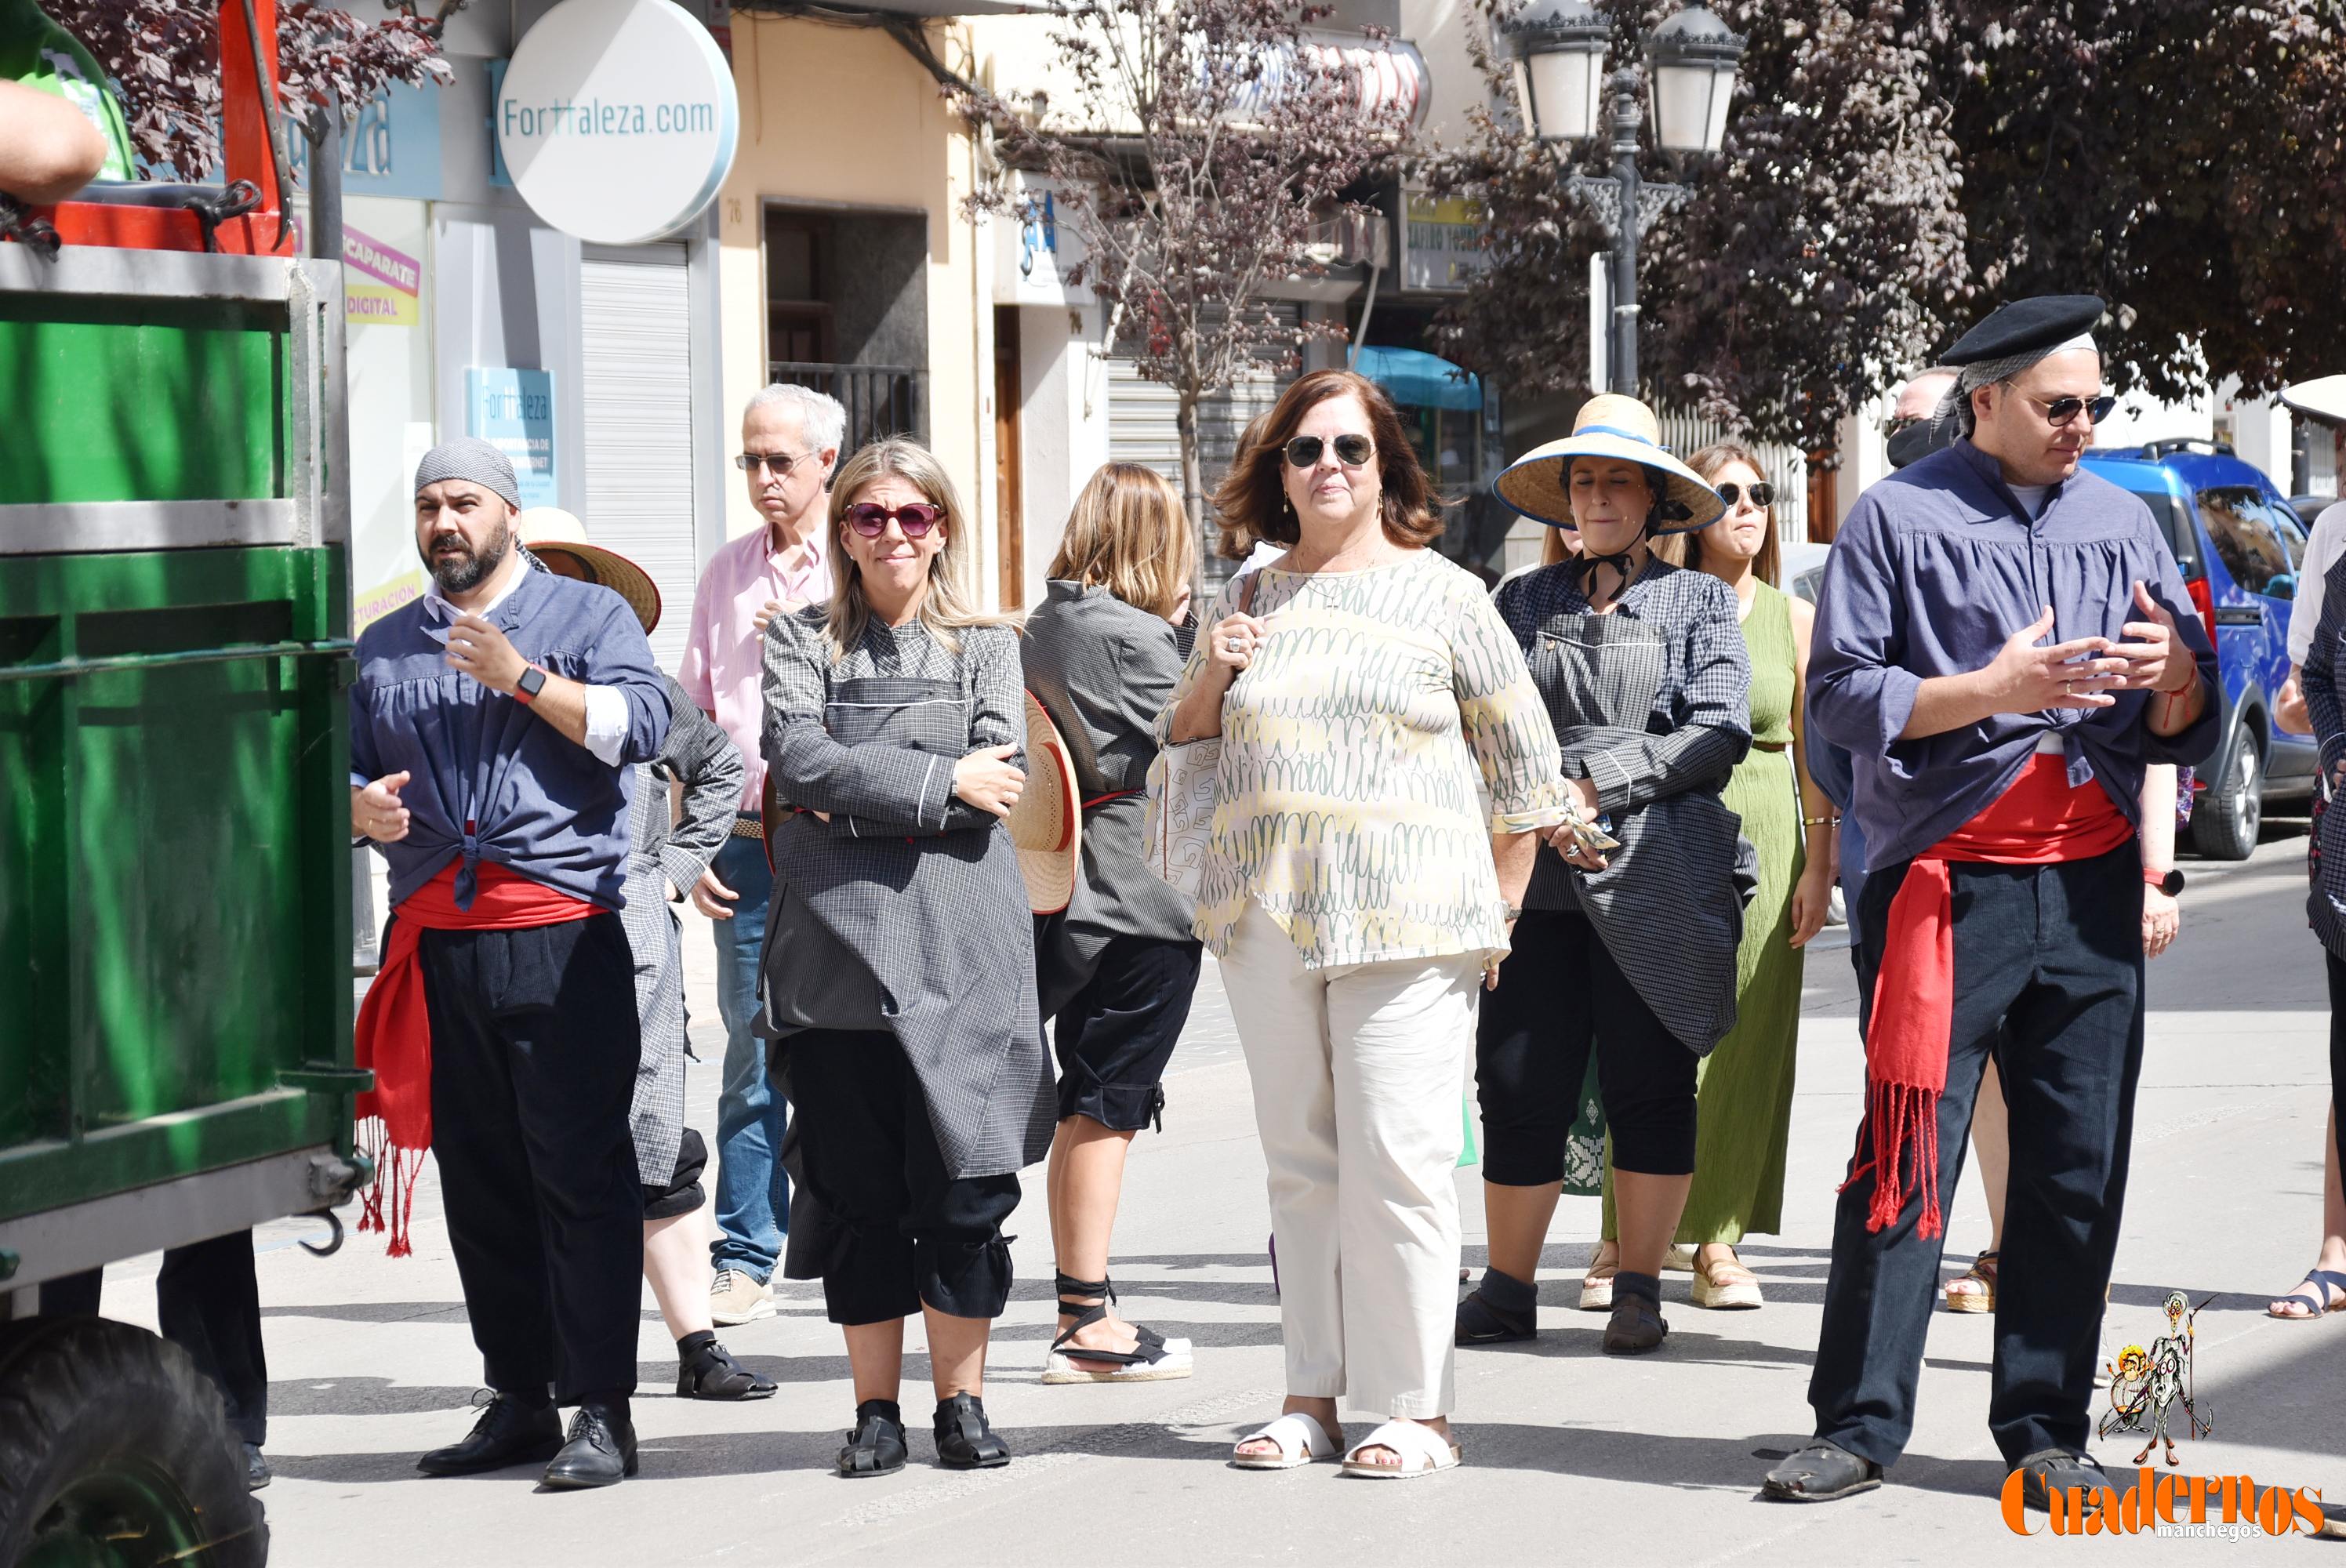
<point x="791" y="437"/>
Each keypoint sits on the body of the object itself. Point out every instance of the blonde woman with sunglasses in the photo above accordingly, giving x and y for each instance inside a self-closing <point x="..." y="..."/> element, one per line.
<point x="899" y="970"/>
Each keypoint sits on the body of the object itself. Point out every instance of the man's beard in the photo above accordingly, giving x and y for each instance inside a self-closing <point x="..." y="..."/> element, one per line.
<point x="459" y="573"/>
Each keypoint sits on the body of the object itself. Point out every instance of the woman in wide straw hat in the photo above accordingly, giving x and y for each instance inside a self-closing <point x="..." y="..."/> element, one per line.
<point x="1116" y="966"/>
<point x="662" y="859"/>
<point x="1626" y="953"/>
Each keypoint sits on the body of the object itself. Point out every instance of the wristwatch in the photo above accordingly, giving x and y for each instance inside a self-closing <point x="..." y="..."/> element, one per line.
<point x="531" y="682"/>
<point x="2169" y="883"/>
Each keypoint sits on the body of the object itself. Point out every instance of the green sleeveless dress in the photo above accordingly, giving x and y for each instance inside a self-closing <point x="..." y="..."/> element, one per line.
<point x="1743" y="1106"/>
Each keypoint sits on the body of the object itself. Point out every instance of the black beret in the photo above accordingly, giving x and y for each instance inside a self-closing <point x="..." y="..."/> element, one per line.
<point x="2027" y="327"/>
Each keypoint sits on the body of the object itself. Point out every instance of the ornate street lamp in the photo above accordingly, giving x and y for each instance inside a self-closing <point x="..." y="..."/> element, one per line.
<point x="1693" y="58"/>
<point x="1559" y="47"/>
<point x="1560" y="67"/>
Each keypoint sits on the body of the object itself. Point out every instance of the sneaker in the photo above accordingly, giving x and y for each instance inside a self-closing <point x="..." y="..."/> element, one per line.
<point x="735" y="1298"/>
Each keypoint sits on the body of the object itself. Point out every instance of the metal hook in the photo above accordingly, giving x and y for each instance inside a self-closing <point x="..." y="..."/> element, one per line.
<point x="334" y="1243"/>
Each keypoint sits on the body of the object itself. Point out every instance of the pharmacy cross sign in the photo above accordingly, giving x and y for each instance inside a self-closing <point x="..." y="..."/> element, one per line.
<point x="617" y="119"/>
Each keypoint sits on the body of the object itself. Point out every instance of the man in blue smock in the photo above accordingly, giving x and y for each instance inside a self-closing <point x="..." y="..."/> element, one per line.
<point x="2003" y="643"/>
<point x="494" y="725"/>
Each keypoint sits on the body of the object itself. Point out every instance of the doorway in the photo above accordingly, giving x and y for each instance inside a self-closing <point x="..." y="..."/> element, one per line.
<point x="1010" y="517"/>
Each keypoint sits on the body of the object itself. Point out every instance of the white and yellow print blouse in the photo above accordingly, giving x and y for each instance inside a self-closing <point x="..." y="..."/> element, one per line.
<point x="1358" y="746"/>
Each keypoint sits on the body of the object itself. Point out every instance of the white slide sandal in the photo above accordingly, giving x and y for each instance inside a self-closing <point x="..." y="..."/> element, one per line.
<point x="1420" y="1448"/>
<point x="1300" y="1439"/>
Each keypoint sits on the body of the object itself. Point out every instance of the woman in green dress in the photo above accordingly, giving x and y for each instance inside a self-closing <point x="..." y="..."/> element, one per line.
<point x="1744" y="1101"/>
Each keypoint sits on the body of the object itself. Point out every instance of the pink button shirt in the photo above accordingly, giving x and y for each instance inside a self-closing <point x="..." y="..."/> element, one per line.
<point x="723" y="657"/>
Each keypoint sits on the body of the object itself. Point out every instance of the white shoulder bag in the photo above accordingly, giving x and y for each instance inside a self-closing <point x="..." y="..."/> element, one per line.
<point x="1178" y="826"/>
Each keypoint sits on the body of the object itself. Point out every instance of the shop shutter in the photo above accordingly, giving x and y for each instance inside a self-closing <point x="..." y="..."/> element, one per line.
<point x="635" y="344"/>
<point x="1143" y="428"/>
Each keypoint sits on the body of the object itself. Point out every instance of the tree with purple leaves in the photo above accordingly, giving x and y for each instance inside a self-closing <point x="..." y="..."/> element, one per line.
<point x="1207" y="156"/>
<point x="1891" y="169"/>
<point x="164" y="58"/>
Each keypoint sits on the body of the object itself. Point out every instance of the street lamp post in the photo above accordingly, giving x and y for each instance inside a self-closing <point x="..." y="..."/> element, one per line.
<point x="1560" y="48"/>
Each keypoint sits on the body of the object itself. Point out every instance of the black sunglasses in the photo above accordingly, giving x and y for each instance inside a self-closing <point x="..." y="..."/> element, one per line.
<point x="1762" y="495"/>
<point x="2062" y="410"/>
<point x="782" y="463"/>
<point x="1352" y="451"/>
<point x="870" y="518"/>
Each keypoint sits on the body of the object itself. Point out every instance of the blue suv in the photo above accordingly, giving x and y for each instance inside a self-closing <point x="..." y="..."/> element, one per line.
<point x="2239" y="545"/>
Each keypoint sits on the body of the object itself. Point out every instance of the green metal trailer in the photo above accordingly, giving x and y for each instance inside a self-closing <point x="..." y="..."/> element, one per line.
<point x="175" y="905"/>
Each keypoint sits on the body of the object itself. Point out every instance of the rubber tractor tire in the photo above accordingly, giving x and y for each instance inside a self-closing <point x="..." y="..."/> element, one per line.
<point x="114" y="1454"/>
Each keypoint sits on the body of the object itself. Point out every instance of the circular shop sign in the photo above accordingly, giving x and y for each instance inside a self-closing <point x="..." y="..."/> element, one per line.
<point x="617" y="119"/>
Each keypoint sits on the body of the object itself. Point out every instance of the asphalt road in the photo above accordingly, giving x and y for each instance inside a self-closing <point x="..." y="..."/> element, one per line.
<point x="1571" y="1456"/>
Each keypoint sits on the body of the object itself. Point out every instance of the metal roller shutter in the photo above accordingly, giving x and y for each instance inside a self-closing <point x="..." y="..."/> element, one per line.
<point x="636" y="343"/>
<point x="1142" y="428"/>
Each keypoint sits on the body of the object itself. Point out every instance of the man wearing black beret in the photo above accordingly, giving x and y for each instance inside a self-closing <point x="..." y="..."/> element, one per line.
<point x="2003" y="643"/>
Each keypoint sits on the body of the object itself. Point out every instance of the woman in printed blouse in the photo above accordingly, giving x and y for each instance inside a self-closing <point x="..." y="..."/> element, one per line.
<point x="1356" y="892"/>
<point x="1631" y="953"/>
<point x="899" y="977"/>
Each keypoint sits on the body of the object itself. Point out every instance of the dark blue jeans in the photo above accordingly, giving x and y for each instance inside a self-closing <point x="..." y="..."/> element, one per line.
<point x="2048" y="980"/>
<point x="753" y="1195"/>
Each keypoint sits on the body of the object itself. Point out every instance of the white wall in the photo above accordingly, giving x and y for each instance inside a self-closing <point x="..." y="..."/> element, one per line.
<point x="1063" y="425"/>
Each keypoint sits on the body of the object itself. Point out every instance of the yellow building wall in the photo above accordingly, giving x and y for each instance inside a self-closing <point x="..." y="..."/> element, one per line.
<point x="842" y="117"/>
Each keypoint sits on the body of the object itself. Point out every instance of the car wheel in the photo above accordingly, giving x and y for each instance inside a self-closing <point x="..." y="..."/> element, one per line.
<point x="2224" y="821"/>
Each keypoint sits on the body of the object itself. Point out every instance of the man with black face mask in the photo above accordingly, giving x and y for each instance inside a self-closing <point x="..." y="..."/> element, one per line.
<point x="493" y="728"/>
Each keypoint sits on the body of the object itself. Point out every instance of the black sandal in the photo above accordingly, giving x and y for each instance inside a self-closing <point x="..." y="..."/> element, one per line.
<point x="1501" y="1310"/>
<point x="1154" y="1359"/>
<point x="1636" y="1325"/>
<point x="707" y="1370"/>
<point x="876" y="1446"/>
<point x="1821" y="1472"/>
<point x="965" y="1440"/>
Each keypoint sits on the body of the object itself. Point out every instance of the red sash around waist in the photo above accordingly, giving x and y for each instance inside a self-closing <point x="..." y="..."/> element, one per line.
<point x="394" y="1027"/>
<point x="2039" y="820"/>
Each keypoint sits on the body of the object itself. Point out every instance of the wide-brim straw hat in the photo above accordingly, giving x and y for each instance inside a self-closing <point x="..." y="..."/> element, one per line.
<point x="2323" y="397"/>
<point x="1538" y="483"/>
<point x="551" y="531"/>
<point x="1047" y="823"/>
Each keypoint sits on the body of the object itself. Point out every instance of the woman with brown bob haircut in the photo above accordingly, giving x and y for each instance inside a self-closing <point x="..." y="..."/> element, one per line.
<point x="1253" y="500"/>
<point x="1117" y="967"/>
<point x="1360" y="695"/>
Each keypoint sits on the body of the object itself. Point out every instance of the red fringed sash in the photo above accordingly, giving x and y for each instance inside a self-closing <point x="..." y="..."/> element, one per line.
<point x="395" y="1028"/>
<point x="2040" y="820"/>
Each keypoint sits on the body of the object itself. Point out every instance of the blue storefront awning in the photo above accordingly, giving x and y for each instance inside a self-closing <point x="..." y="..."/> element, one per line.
<point x="1419" y="380"/>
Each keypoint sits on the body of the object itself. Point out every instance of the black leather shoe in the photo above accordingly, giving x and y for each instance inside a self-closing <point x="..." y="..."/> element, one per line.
<point x="256" y="1469"/>
<point x="965" y="1440"/>
<point x="2058" y="1470"/>
<point x="600" y="1452"/>
<point x="508" y="1433"/>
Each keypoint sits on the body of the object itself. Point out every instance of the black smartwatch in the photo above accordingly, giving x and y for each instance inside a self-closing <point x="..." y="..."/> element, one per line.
<point x="531" y="682"/>
<point x="2171" y="884"/>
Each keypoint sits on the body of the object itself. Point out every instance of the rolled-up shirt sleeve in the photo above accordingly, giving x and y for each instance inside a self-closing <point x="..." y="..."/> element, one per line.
<point x="1506" y="723"/>
<point x="1714" y="722"/>
<point x="2196" y="742"/>
<point x="1859" y="697"/>
<point x="606" y="722"/>
<point x="619" y="660"/>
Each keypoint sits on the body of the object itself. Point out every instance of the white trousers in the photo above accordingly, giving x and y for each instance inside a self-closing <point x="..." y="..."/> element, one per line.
<point x="1357" y="1072"/>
